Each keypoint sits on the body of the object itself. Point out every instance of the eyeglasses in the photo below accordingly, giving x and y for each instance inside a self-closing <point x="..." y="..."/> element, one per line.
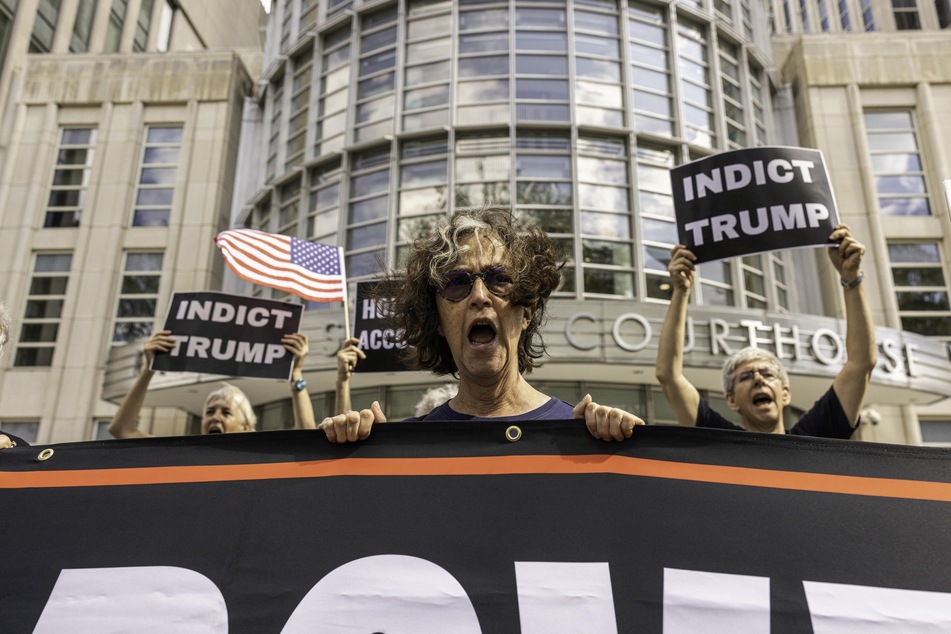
<point x="767" y="374"/>
<point x="456" y="285"/>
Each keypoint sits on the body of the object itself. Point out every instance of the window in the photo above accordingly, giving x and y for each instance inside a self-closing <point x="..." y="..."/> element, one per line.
<point x="933" y="432"/>
<point x="28" y="431"/>
<point x="377" y="76"/>
<point x="598" y="71"/>
<point x="694" y="65"/>
<point x="44" y="309"/>
<point x="324" y="216"/>
<point x="483" y="77"/>
<point x="921" y="288"/>
<point x="650" y="70"/>
<point x="607" y="239"/>
<point x="79" y="42"/>
<point x="655" y="203"/>
<point x="896" y="163"/>
<point x="138" y="296"/>
<point x="143" y="25"/>
<point x="166" y="20"/>
<point x="906" y="15"/>
<point x="70" y="178"/>
<point x="114" y="28"/>
<point x="334" y="88"/>
<point x="426" y="67"/>
<point x="300" y="107"/>
<point x="368" y="211"/>
<point x="153" y="199"/>
<point x="100" y="429"/>
<point x="541" y="65"/>
<point x="7" y="9"/>
<point x="308" y="15"/>
<point x="731" y="85"/>
<point x="868" y="20"/>
<point x="277" y="113"/>
<point x="424" y="187"/>
<point x="44" y="26"/>
<point x="942" y="10"/>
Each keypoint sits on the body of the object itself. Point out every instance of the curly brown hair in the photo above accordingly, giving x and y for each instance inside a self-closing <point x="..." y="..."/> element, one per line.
<point x="414" y="316"/>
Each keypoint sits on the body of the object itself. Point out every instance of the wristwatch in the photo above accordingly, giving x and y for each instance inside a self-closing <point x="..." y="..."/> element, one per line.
<point x="300" y="384"/>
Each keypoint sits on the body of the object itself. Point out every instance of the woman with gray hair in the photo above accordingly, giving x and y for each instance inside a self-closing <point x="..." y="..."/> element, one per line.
<point x="471" y="303"/>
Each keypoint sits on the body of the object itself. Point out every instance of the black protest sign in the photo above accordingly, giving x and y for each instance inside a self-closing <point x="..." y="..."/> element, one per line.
<point x="218" y="333"/>
<point x="753" y="201"/>
<point x="376" y="340"/>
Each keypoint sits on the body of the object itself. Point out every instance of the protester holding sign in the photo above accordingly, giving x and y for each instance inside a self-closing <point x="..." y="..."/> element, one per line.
<point x="754" y="381"/>
<point x="347" y="358"/>
<point x="471" y="303"/>
<point x="226" y="409"/>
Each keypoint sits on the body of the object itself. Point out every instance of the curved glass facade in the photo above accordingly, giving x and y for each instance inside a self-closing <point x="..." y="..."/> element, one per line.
<point x="380" y="117"/>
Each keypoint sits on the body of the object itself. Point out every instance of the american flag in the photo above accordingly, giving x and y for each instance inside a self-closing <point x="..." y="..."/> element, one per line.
<point x="307" y="269"/>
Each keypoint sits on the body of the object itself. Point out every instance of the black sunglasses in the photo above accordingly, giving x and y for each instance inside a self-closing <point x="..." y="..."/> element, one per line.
<point x="456" y="285"/>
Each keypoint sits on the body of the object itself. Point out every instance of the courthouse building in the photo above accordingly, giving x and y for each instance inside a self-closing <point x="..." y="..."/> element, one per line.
<point x="370" y="120"/>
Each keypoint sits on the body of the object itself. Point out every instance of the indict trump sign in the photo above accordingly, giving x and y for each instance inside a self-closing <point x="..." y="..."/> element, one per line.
<point x="218" y="333"/>
<point x="435" y="528"/>
<point x="753" y="201"/>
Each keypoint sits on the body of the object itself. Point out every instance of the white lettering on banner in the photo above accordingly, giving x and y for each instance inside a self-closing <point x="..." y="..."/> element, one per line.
<point x="780" y="218"/>
<point x="372" y="309"/>
<point x="163" y="599"/>
<point x="379" y="339"/>
<point x="825" y="346"/>
<point x="838" y="608"/>
<point x="739" y="175"/>
<point x="396" y="594"/>
<point x="563" y="598"/>
<point x="399" y="594"/>
<point x="223" y="312"/>
<point x="196" y="347"/>
<point x="715" y="602"/>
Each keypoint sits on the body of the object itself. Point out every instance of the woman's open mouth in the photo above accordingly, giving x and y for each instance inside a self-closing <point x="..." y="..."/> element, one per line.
<point x="481" y="332"/>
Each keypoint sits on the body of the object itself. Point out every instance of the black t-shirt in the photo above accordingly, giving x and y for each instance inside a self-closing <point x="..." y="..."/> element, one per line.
<point x="825" y="419"/>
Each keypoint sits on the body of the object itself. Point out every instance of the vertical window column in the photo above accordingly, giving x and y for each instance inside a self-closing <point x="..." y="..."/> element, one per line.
<point x="541" y="65"/>
<point x="921" y="288"/>
<point x="156" y="190"/>
<point x="424" y="189"/>
<point x="82" y="27"/>
<point x="896" y="163"/>
<point x="44" y="309"/>
<point x="143" y="25"/>
<point x="483" y="170"/>
<point x="323" y="219"/>
<point x="426" y="63"/>
<point x="44" y="26"/>
<point x="694" y="64"/>
<point x="607" y="240"/>
<point x="482" y="87"/>
<point x="138" y="296"/>
<point x="655" y="203"/>
<point x="70" y="178"/>
<point x="334" y="92"/>
<point x="650" y="70"/>
<point x="368" y="211"/>
<point x="276" y="89"/>
<point x="300" y="105"/>
<point x="375" y="88"/>
<point x="598" y="90"/>
<point x="115" y="26"/>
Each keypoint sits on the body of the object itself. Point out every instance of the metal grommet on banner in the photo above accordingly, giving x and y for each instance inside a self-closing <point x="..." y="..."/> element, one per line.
<point x="46" y="454"/>
<point x="513" y="433"/>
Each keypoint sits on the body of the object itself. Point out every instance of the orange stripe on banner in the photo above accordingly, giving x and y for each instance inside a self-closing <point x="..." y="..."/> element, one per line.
<point x="501" y="465"/>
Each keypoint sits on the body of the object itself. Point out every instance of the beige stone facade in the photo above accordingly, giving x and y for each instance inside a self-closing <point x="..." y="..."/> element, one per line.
<point x="191" y="91"/>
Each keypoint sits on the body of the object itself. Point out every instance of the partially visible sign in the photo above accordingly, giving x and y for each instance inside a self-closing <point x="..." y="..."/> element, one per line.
<point x="218" y="333"/>
<point x="376" y="340"/>
<point x="753" y="201"/>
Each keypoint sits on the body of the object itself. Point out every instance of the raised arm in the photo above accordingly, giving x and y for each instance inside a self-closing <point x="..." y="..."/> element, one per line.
<point x="125" y="423"/>
<point x="852" y="380"/>
<point x="347" y="358"/>
<point x="683" y="397"/>
<point x="297" y="345"/>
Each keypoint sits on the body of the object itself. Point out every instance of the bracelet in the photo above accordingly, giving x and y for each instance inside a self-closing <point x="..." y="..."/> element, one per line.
<point x="850" y="285"/>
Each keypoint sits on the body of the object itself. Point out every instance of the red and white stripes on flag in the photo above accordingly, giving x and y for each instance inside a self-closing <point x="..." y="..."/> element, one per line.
<point x="307" y="269"/>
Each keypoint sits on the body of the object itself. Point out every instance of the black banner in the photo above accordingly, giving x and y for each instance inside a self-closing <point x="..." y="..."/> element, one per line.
<point x="437" y="527"/>
<point x="376" y="340"/>
<point x="753" y="201"/>
<point x="218" y="333"/>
